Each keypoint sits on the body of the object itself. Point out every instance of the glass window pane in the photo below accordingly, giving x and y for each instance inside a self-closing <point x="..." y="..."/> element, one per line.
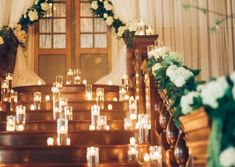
<point x="59" y="25"/>
<point x="86" y="41"/>
<point x="45" y="25"/>
<point x="86" y="25"/>
<point x="59" y="41"/>
<point x="59" y="10"/>
<point x="45" y="41"/>
<point x="85" y="9"/>
<point x="100" y="40"/>
<point x="100" y="25"/>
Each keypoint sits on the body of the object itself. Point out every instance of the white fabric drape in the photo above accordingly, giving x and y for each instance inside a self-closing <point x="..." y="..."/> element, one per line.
<point x="22" y="74"/>
<point x="126" y="11"/>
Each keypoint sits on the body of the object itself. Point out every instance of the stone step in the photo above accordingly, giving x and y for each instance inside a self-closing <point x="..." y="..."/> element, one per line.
<point x="81" y="125"/>
<point x="37" y="138"/>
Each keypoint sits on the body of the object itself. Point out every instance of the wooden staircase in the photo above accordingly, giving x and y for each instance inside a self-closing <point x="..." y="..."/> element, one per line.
<point x="29" y="147"/>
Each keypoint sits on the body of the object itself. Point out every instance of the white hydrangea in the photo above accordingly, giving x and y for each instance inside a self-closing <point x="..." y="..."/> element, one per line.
<point x="155" y="67"/>
<point x="227" y="158"/>
<point x="213" y="91"/>
<point x="94" y="5"/>
<point x="108" y="6"/>
<point x="105" y="15"/>
<point x="178" y="75"/>
<point x="33" y="15"/>
<point x="161" y="52"/>
<point x="121" y="30"/>
<point x="1" y="40"/>
<point x="187" y="100"/>
<point x="232" y="77"/>
<point x="45" y="6"/>
<point x="109" y="20"/>
<point x="175" y="56"/>
<point x="132" y="26"/>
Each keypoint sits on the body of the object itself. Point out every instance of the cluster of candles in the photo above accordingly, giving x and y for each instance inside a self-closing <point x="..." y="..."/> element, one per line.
<point x="62" y="113"/>
<point x="143" y="29"/>
<point x="123" y="88"/>
<point x="73" y="76"/>
<point x="7" y="93"/>
<point x="16" y="122"/>
<point x="154" y="156"/>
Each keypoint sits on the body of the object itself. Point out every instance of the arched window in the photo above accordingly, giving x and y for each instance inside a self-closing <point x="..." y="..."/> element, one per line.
<point x="70" y="36"/>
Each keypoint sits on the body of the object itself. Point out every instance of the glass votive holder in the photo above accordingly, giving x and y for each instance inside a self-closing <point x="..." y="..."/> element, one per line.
<point x="76" y="76"/>
<point x="143" y="135"/>
<point x="69" y="77"/>
<point x="20" y="117"/>
<point x="5" y="91"/>
<point x="68" y="112"/>
<point x="122" y="92"/>
<point x="11" y="124"/>
<point x="100" y="97"/>
<point x="63" y="102"/>
<point x="127" y="123"/>
<point x="132" y="107"/>
<point x="37" y="98"/>
<point x="155" y="154"/>
<point x="50" y="141"/>
<point x="56" y="102"/>
<point x="92" y="156"/>
<point x="102" y="122"/>
<point x="62" y="131"/>
<point x="132" y="153"/>
<point x="59" y="81"/>
<point x="88" y="91"/>
<point x="9" y="77"/>
<point x="95" y="113"/>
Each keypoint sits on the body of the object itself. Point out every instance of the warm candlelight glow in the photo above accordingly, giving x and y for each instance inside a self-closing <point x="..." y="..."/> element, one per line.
<point x="146" y="157"/>
<point x="47" y="98"/>
<point x="115" y="99"/>
<point x="84" y="82"/>
<point x="110" y="83"/>
<point x="132" y="140"/>
<point x="50" y="141"/>
<point x="32" y="107"/>
<point x="39" y="82"/>
<point x="110" y="107"/>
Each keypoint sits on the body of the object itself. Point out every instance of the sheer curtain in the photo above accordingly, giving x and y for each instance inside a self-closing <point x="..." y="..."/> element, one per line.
<point x="187" y="32"/>
<point x="11" y="13"/>
<point x="126" y="11"/>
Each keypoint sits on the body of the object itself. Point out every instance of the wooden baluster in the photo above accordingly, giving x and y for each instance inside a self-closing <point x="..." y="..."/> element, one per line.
<point x="181" y="151"/>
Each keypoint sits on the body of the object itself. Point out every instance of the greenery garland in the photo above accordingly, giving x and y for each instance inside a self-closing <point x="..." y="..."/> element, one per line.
<point x="104" y="9"/>
<point x="18" y="31"/>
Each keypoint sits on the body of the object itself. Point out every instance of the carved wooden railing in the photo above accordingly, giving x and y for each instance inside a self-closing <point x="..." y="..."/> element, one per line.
<point x="177" y="143"/>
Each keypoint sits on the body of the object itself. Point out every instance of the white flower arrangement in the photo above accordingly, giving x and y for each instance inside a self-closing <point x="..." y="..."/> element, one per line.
<point x="109" y="20"/>
<point x="213" y="91"/>
<point x="19" y="33"/>
<point x="155" y="67"/>
<point x="1" y="40"/>
<point x="161" y="52"/>
<point x="186" y="102"/>
<point x="107" y="6"/>
<point x="132" y="26"/>
<point x="33" y="15"/>
<point x="173" y="56"/>
<point x="105" y="15"/>
<point x="94" y="5"/>
<point x="178" y="75"/>
<point x="44" y="6"/>
<point x="232" y="77"/>
<point x="227" y="158"/>
<point x="121" y="31"/>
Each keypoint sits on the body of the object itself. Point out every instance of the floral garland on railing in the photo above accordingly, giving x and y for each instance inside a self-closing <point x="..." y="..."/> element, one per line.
<point x="187" y="94"/>
<point x="104" y="9"/>
<point x="19" y="30"/>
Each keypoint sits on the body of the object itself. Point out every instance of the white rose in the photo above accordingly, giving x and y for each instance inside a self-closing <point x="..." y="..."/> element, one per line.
<point x="170" y="70"/>
<point x="227" y="158"/>
<point x="121" y="30"/>
<point x="108" y="6"/>
<point x="1" y="40"/>
<point x="33" y="15"/>
<point x="94" y="5"/>
<point x="109" y="20"/>
<point x="45" y="6"/>
<point x="186" y="101"/>
<point x="105" y="15"/>
<point x="155" y="67"/>
<point x="36" y="2"/>
<point x="132" y="26"/>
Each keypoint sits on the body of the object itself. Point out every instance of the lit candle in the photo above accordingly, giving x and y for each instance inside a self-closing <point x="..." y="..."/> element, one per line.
<point x="132" y="140"/>
<point x="68" y="141"/>
<point x="39" y="82"/>
<point x="32" y="107"/>
<point x="50" y="141"/>
<point x="115" y="99"/>
<point x="91" y="127"/>
<point x="146" y="157"/>
<point x="110" y="107"/>
<point x="84" y="82"/>
<point x="9" y="76"/>
<point x="47" y="98"/>
<point x="10" y="123"/>
<point x="110" y="83"/>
